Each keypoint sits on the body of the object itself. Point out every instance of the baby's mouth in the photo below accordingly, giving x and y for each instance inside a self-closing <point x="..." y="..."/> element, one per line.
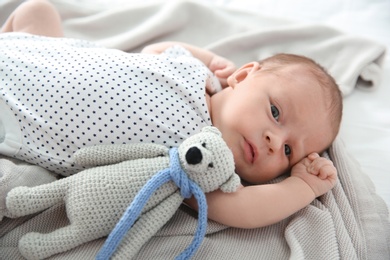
<point x="250" y="152"/>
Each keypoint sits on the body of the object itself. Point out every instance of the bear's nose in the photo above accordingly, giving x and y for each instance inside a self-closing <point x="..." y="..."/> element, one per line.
<point x="194" y="155"/>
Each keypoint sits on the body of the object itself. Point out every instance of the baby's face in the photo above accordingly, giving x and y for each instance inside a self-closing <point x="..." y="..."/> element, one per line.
<point x="271" y="120"/>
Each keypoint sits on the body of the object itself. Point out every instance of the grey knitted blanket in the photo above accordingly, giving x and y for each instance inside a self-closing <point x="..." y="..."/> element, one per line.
<point x="350" y="222"/>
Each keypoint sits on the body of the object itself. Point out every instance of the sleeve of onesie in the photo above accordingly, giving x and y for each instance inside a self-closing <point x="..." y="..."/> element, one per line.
<point x="177" y="51"/>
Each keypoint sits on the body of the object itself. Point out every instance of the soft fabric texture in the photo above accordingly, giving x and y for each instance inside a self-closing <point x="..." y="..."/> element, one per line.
<point x="96" y="198"/>
<point x="350" y="222"/>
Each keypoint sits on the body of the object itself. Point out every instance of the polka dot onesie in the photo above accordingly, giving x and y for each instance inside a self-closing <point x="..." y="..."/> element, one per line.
<point x="58" y="95"/>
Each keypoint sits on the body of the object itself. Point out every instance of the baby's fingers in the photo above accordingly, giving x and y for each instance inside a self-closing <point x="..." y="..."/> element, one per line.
<point x="224" y="72"/>
<point x="313" y="156"/>
<point x="322" y="167"/>
<point x="327" y="172"/>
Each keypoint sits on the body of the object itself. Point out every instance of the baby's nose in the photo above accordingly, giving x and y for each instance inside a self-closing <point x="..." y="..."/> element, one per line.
<point x="275" y="142"/>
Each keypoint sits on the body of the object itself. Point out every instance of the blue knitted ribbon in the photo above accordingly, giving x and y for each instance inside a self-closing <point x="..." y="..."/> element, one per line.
<point x="187" y="189"/>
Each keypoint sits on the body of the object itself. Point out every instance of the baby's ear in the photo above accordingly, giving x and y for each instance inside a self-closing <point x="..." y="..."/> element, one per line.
<point x="241" y="74"/>
<point x="231" y="184"/>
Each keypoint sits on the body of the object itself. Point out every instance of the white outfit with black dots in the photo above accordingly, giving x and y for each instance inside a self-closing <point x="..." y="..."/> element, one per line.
<point x="58" y="95"/>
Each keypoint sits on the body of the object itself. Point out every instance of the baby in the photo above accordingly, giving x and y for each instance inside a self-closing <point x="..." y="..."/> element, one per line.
<point x="276" y="115"/>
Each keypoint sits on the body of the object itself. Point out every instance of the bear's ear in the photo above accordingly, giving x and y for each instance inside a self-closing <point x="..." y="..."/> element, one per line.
<point x="231" y="184"/>
<point x="211" y="129"/>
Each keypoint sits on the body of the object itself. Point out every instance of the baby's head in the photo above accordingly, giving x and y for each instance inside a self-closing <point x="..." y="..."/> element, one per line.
<point x="275" y="112"/>
<point x="330" y="90"/>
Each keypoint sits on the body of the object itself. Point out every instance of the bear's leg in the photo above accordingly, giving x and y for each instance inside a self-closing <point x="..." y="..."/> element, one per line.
<point x="15" y="173"/>
<point x="39" y="246"/>
<point x="146" y="226"/>
<point x="23" y="201"/>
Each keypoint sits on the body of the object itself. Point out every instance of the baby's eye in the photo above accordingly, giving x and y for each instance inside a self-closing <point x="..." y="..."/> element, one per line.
<point x="275" y="112"/>
<point x="287" y="150"/>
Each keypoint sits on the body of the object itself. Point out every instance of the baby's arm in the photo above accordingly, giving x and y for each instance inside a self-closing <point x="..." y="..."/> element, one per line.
<point x="262" y="205"/>
<point x="220" y="66"/>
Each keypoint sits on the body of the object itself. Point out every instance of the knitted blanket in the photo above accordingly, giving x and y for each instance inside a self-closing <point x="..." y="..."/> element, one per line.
<point x="350" y="222"/>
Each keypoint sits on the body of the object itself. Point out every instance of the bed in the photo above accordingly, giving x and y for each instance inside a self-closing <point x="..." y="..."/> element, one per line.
<point x="347" y="37"/>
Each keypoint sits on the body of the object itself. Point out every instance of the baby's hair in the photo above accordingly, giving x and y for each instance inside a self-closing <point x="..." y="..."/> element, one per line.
<point x="333" y="96"/>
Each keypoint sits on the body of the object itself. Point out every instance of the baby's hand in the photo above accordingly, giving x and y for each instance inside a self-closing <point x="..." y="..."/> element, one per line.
<point x="222" y="68"/>
<point x="318" y="172"/>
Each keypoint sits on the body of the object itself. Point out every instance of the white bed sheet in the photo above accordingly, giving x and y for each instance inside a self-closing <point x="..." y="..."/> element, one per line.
<point x="366" y="124"/>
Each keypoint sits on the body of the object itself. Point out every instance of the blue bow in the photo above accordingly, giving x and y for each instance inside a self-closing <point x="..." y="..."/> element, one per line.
<point x="187" y="189"/>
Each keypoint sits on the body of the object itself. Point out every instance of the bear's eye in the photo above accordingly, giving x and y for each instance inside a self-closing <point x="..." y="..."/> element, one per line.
<point x="211" y="165"/>
<point x="204" y="145"/>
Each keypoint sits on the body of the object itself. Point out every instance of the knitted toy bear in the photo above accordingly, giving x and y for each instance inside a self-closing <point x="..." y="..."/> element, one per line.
<point x="96" y="198"/>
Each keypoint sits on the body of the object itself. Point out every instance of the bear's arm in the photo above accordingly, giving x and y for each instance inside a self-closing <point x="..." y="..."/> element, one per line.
<point x="116" y="153"/>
